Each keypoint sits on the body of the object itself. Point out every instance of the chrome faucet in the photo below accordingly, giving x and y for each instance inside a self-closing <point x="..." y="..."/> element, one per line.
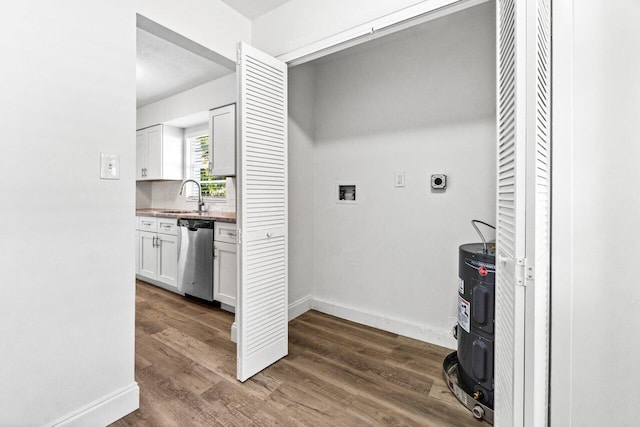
<point x="200" y="202"/>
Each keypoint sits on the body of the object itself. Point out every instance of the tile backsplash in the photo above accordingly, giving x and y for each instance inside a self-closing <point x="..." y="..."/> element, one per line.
<point x="165" y="194"/>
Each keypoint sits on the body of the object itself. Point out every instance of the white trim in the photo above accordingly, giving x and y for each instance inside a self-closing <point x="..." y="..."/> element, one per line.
<point x="234" y="332"/>
<point x="562" y="214"/>
<point x="396" y="21"/>
<point x="105" y="410"/>
<point x="300" y="307"/>
<point x="396" y="326"/>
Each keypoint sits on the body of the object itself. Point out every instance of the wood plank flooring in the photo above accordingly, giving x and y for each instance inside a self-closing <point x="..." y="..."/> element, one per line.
<point x="337" y="373"/>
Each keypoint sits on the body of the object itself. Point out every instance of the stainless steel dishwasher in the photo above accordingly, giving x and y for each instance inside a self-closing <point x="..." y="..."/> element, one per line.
<point x="195" y="258"/>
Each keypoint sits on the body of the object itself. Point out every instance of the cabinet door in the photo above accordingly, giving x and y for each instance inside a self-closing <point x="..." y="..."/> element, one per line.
<point x="225" y="273"/>
<point x="141" y="154"/>
<point x="154" y="153"/>
<point x="167" y="247"/>
<point x="147" y="254"/>
<point x="222" y="152"/>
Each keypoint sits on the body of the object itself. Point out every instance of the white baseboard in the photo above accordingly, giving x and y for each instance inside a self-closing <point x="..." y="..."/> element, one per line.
<point x="300" y="307"/>
<point x="411" y="330"/>
<point x="234" y="332"/>
<point x="104" y="411"/>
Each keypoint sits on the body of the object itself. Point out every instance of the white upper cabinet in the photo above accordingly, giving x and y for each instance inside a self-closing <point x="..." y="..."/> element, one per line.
<point x="222" y="137"/>
<point x="159" y="153"/>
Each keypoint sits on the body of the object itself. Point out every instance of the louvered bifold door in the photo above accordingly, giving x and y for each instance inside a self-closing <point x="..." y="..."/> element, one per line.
<point x="511" y="205"/>
<point x="522" y="276"/>
<point x="262" y="211"/>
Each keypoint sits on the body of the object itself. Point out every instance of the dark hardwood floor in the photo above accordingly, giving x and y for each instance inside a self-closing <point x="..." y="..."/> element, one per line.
<point x="337" y="373"/>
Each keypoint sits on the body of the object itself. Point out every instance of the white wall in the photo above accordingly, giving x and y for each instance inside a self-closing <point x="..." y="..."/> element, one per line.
<point x="210" y="95"/>
<point x="211" y="23"/>
<point x="596" y="209"/>
<point x="423" y="105"/>
<point x="301" y="22"/>
<point x="67" y="251"/>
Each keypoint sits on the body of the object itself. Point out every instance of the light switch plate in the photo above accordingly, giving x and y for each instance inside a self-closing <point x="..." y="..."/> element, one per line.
<point x="399" y="179"/>
<point x="109" y="166"/>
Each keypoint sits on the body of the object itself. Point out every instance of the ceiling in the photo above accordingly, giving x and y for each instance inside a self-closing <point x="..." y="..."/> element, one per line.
<point x="252" y="9"/>
<point x="164" y="69"/>
<point x="168" y="64"/>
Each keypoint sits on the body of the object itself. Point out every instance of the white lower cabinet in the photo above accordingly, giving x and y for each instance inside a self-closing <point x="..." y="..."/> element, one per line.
<point x="157" y="251"/>
<point x="225" y="275"/>
<point x="147" y="254"/>
<point x="157" y="257"/>
<point x="167" y="247"/>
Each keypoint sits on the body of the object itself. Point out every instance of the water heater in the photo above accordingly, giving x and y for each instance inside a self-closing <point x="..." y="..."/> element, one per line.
<point x="476" y="297"/>
<point x="470" y="370"/>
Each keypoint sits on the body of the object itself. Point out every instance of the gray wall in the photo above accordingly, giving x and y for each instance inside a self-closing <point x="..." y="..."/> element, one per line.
<point x="302" y="84"/>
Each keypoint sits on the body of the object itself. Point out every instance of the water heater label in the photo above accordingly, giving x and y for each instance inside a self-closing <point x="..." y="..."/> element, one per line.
<point x="482" y="267"/>
<point x="464" y="313"/>
<point x="460" y="285"/>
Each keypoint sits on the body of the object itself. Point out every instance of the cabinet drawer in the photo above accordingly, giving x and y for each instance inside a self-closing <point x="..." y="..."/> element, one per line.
<point x="225" y="232"/>
<point x="147" y="223"/>
<point x="168" y="226"/>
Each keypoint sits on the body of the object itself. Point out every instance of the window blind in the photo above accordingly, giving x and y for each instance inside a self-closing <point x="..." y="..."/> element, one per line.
<point x="198" y="169"/>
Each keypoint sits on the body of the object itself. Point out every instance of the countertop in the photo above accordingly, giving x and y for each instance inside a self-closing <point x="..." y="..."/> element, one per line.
<point x="176" y="213"/>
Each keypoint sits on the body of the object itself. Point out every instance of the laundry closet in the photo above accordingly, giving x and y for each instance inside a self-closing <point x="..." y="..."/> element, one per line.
<point x="379" y="119"/>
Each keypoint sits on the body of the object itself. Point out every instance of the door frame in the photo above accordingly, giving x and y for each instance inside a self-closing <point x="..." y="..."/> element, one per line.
<point x="562" y="216"/>
<point x="405" y="18"/>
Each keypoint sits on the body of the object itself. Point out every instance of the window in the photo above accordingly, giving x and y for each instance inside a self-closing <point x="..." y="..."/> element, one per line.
<point x="213" y="187"/>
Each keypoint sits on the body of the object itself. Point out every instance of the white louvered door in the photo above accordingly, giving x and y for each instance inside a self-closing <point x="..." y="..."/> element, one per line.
<point x="510" y="235"/>
<point x="262" y="309"/>
<point x="522" y="283"/>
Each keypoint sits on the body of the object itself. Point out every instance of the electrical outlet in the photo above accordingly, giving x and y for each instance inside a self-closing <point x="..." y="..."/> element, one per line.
<point x="399" y="179"/>
<point x="439" y="181"/>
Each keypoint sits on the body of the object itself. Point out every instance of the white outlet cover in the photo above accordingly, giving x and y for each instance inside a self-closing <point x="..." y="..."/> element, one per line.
<point x="399" y="179"/>
<point x="109" y="166"/>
